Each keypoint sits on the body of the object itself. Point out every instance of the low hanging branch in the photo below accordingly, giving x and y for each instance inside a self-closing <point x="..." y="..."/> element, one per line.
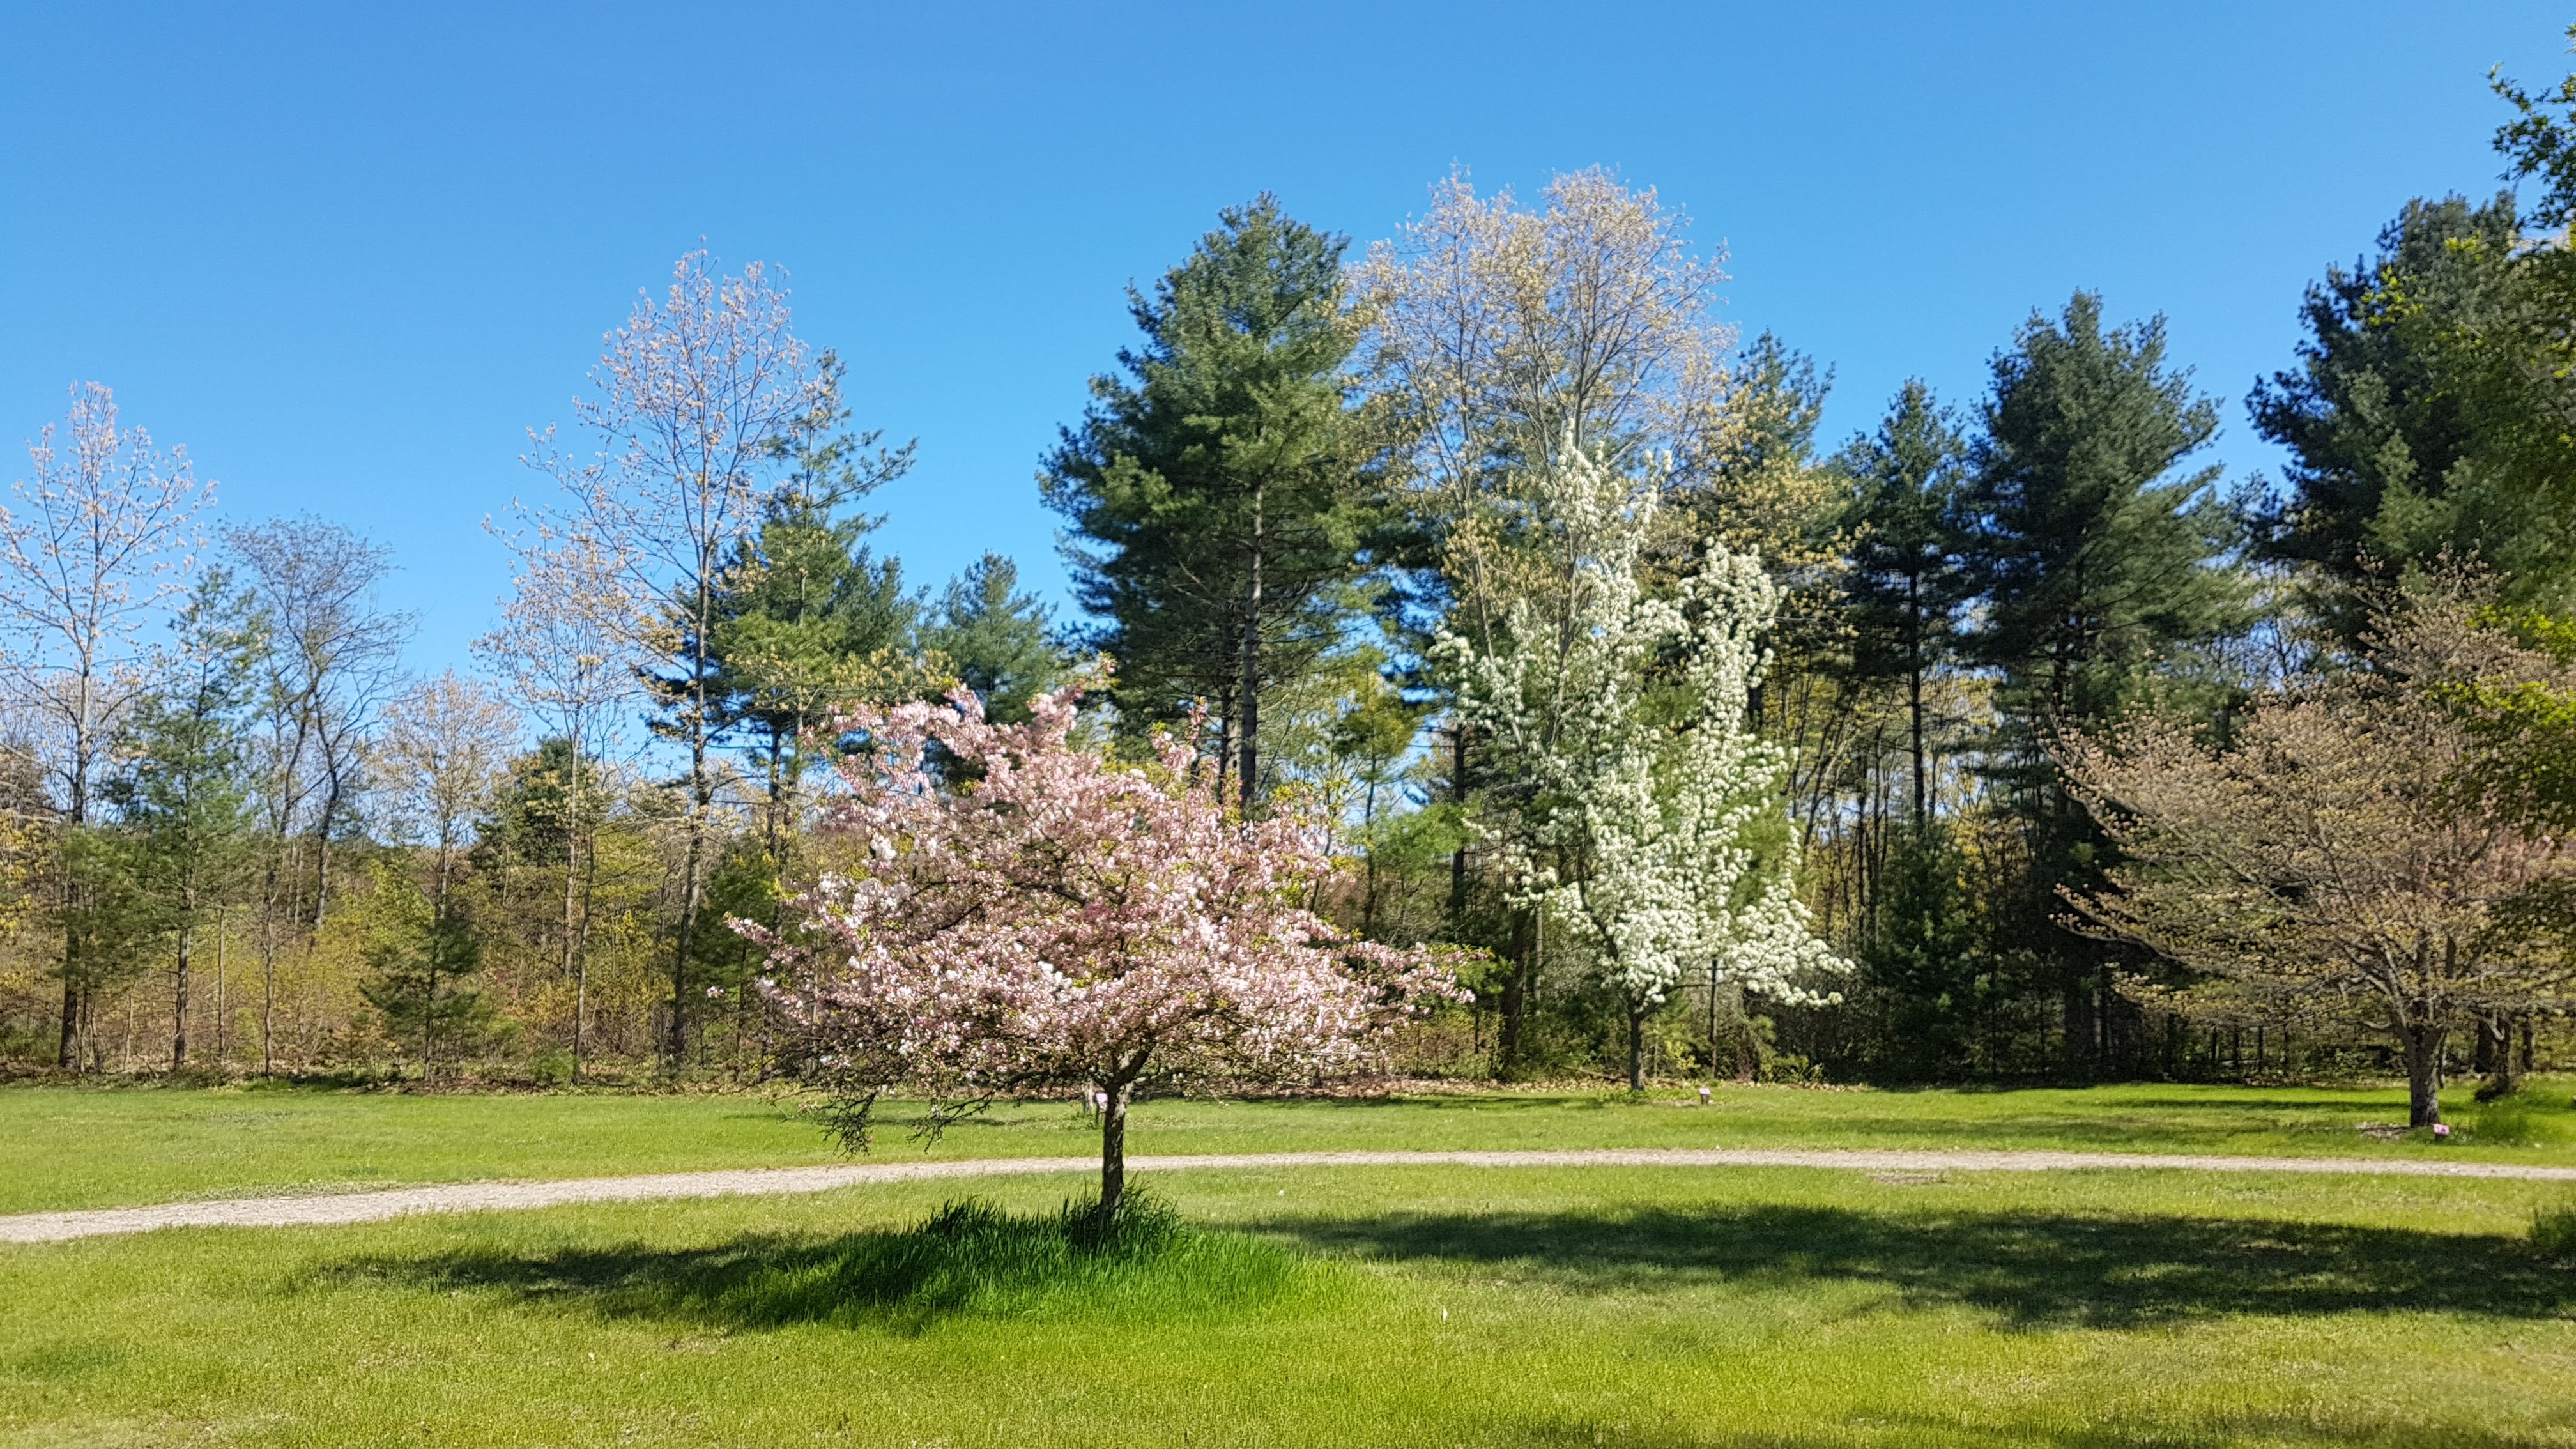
<point x="1063" y="919"/>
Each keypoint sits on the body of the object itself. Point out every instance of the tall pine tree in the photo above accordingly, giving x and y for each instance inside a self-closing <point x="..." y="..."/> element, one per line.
<point x="184" y="798"/>
<point x="1218" y="499"/>
<point x="1901" y="591"/>
<point x="2103" y="563"/>
<point x="2417" y="421"/>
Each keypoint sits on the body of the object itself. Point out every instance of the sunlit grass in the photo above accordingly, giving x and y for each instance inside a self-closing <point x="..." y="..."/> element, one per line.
<point x="1413" y="1307"/>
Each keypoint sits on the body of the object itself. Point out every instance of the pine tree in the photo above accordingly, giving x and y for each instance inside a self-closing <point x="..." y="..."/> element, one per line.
<point x="184" y="800"/>
<point x="1217" y="501"/>
<point x="421" y="961"/>
<point x="807" y="619"/>
<point x="1928" y="979"/>
<point x="994" y="638"/>
<point x="1901" y="592"/>
<point x="2415" y="428"/>
<point x="2102" y="565"/>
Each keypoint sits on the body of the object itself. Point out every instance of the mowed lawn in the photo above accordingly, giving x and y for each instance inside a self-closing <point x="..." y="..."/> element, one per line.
<point x="1419" y="1306"/>
<point x="74" y="1148"/>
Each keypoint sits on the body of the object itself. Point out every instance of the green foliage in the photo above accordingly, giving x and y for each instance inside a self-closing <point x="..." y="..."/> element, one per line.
<point x="808" y="619"/>
<point x="421" y="959"/>
<point x="2403" y="435"/>
<point x="1902" y="591"/>
<point x="1928" y="978"/>
<point x="1219" y="500"/>
<point x="535" y="811"/>
<point x="2099" y="562"/>
<point x="2103" y="567"/>
<point x="971" y="1259"/>
<point x="2510" y="1123"/>
<point x="994" y="638"/>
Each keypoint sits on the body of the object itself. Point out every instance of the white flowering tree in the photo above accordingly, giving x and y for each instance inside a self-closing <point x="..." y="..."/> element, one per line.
<point x="1640" y="801"/>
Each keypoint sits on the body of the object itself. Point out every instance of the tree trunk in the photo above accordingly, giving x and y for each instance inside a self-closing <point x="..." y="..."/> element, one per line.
<point x="223" y="1003"/>
<point x="1251" y="686"/>
<point x="2496" y="1056"/>
<point x="179" y="1006"/>
<point x="2423" y="1049"/>
<point x="1458" y="857"/>
<point x="1113" y="1151"/>
<point x="75" y="1007"/>
<point x="572" y="942"/>
<point x="67" y="1055"/>
<point x="1636" y="1046"/>
<point x="581" y="951"/>
<point x="701" y="798"/>
<point x="1368" y="861"/>
<point x="322" y="844"/>
<point x="1511" y="1043"/>
<point x="1914" y="692"/>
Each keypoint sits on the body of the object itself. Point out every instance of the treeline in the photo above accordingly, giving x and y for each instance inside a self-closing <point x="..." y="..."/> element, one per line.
<point x="1488" y="547"/>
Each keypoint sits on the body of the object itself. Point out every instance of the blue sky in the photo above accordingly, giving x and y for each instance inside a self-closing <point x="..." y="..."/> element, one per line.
<point x="349" y="254"/>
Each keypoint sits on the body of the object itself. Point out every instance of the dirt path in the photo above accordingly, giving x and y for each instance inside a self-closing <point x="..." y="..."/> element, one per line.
<point x="365" y="1207"/>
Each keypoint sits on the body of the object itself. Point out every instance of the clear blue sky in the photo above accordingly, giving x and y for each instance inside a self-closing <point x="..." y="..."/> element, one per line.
<point x="348" y="254"/>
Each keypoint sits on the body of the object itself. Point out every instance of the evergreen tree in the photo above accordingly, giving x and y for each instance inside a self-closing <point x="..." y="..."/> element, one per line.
<point x="1218" y="504"/>
<point x="184" y="799"/>
<point x="808" y="619"/>
<point x="995" y="638"/>
<point x="421" y="959"/>
<point x="2415" y="425"/>
<point x="1927" y="979"/>
<point x="1901" y="590"/>
<point x="2101" y="564"/>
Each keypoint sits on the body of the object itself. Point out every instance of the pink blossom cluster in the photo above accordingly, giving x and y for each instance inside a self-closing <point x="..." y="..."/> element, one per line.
<point x="1062" y="917"/>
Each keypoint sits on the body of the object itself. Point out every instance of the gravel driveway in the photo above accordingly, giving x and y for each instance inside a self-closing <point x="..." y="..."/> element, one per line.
<point x="465" y="1197"/>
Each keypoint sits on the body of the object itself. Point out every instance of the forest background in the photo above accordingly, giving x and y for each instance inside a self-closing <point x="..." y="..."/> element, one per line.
<point x="243" y="839"/>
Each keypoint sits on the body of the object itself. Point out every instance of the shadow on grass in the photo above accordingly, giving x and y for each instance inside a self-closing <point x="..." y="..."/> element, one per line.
<point x="2033" y="1269"/>
<point x="968" y="1259"/>
<point x="2352" y="1425"/>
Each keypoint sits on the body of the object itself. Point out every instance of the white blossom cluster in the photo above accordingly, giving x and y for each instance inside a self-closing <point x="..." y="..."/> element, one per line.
<point x="1644" y="789"/>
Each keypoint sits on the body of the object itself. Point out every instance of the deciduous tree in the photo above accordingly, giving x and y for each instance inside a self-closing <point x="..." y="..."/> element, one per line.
<point x="91" y="548"/>
<point x="704" y="400"/>
<point x="2342" y="850"/>
<point x="1069" y="921"/>
<point x="1642" y="809"/>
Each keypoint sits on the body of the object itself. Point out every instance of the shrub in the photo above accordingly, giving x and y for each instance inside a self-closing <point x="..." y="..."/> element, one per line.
<point x="2508" y="1122"/>
<point x="2553" y="1231"/>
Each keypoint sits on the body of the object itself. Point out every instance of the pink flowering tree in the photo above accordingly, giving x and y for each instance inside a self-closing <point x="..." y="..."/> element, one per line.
<point x="1019" y="911"/>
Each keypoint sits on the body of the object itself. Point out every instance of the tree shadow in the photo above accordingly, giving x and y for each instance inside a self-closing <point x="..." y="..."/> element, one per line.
<point x="2032" y="1269"/>
<point x="2355" y="1425"/>
<point x="969" y="1259"/>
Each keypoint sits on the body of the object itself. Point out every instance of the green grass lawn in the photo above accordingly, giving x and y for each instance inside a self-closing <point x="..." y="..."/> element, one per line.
<point x="68" y="1148"/>
<point x="1399" y="1307"/>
